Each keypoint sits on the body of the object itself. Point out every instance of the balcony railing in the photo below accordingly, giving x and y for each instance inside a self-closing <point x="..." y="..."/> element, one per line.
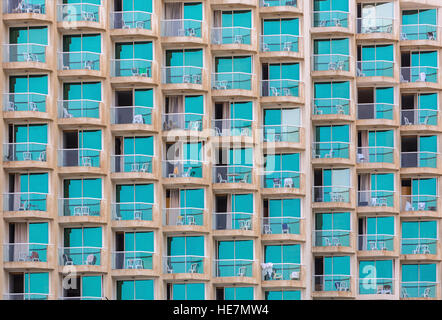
<point x="25" y="252"/>
<point x="419" y="289"/>
<point x="73" y="12"/>
<point x="233" y="268"/>
<point x="280" y="271"/>
<point x="185" y="216"/>
<point x="232" y="174"/>
<point x="183" y="264"/>
<point x="24" y="6"/>
<point x="26" y="101"/>
<point x="280" y="87"/>
<point x="24" y="52"/>
<point x="419" y="32"/>
<point x="419" y="159"/>
<point x="330" y="62"/>
<point x="131" y="20"/>
<point x="419" y="74"/>
<point x="375" y="198"/>
<point x="80" y="256"/>
<point x="181" y="28"/>
<point x="232" y="127"/>
<point x="332" y="282"/>
<point x="131" y="68"/>
<point x="278" y="3"/>
<point x="127" y="211"/>
<point x="375" y="154"/>
<point x="24" y="201"/>
<point x="370" y="242"/>
<point x="131" y="114"/>
<point x="333" y="18"/>
<point x="375" y="25"/>
<point x="419" y="202"/>
<point x="132" y="260"/>
<point x="419" y="117"/>
<point x="375" y="111"/>
<point x="82" y="157"/>
<point x="331" y="238"/>
<point x="331" y="194"/>
<point x="77" y="207"/>
<point x="232" y="221"/>
<point x="231" y="80"/>
<point x="131" y="163"/>
<point x="26" y="296"/>
<point x="419" y="245"/>
<point x="279" y="42"/>
<point x="182" y="74"/>
<point x="182" y="169"/>
<point x="376" y="286"/>
<point x="375" y="68"/>
<point x="334" y="149"/>
<point x="231" y="35"/>
<point x="281" y="179"/>
<point x="281" y="133"/>
<point x="79" y="108"/>
<point x="281" y="225"/>
<point x="25" y="151"/>
<point x="322" y="106"/>
<point x="79" y="60"/>
<point x="183" y="121"/>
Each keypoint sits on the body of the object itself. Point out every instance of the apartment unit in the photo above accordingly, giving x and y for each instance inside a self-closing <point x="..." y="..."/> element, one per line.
<point x="222" y="149"/>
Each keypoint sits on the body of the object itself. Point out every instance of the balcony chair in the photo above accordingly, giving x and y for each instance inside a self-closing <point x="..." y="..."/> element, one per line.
<point x="220" y="85"/>
<point x="385" y="289"/>
<point x="187" y="173"/>
<point x="287" y="46"/>
<point x="332" y="66"/>
<point x="238" y="39"/>
<point x="11" y="106"/>
<point x="426" y="293"/>
<point x="137" y="215"/>
<point x="27" y="156"/>
<point x="138" y="118"/>
<point x="276" y="182"/>
<point x="194" y="125"/>
<point x="340" y="109"/>
<point x="285" y="228"/>
<point x="67" y="261"/>
<point x="242" y="271"/>
<point x="421" y="206"/>
<point x="267" y="229"/>
<point x="425" y="249"/>
<point x="422" y="77"/>
<point x="404" y="293"/>
<point x="125" y="25"/>
<point x="265" y="47"/>
<point x="135" y="167"/>
<point x="361" y="157"/>
<point x="129" y="264"/>
<point x="274" y="91"/>
<point x="33" y="106"/>
<point x="403" y="36"/>
<point x="86" y="161"/>
<point x="169" y="268"/>
<point x="286" y="92"/>
<point x="245" y="179"/>
<point x="190" y="32"/>
<point x="187" y="78"/>
<point x="91" y="260"/>
<point x="145" y="167"/>
<point x="180" y="221"/>
<point x="24" y="205"/>
<point x="139" y="24"/>
<point x="294" y="275"/>
<point x="193" y="268"/>
<point x="244" y="224"/>
<point x="359" y="73"/>
<point x="337" y="22"/>
<point x="138" y="264"/>
<point x="431" y="35"/>
<point x="373" y="245"/>
<point x="382" y="245"/>
<point x="88" y="65"/>
<point x="329" y="155"/>
<point x="265" y="4"/>
<point x="66" y="113"/>
<point x="288" y="183"/>
<point x="221" y="179"/>
<point x="417" y="250"/>
<point x="191" y="221"/>
<point x="22" y="256"/>
<point x="245" y="132"/>
<point x="42" y="156"/>
<point x="327" y="242"/>
<point x="323" y="23"/>
<point x="276" y="276"/>
<point x="336" y="242"/>
<point x="340" y="65"/>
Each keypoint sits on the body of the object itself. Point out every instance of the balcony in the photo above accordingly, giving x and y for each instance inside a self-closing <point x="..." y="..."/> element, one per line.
<point x="419" y="159"/>
<point x="330" y="19"/>
<point x="25" y="252"/>
<point x="183" y="77"/>
<point x="132" y="71"/>
<point x="24" y="56"/>
<point x="375" y="28"/>
<point x="331" y="108"/>
<point x="421" y="76"/>
<point x="132" y="260"/>
<point x="182" y="31"/>
<point x="232" y="127"/>
<point x="426" y="33"/>
<point x="376" y="242"/>
<point x="80" y="207"/>
<point x="231" y="36"/>
<point x="419" y="202"/>
<point x="80" y="256"/>
<point x="182" y="169"/>
<point x="25" y="102"/>
<point x="280" y="90"/>
<point x="419" y="246"/>
<point x="377" y="200"/>
<point x="130" y="211"/>
<point x="131" y="20"/>
<point x="419" y="117"/>
<point x="375" y="155"/>
<point x="280" y="44"/>
<point x="375" y="111"/>
<point x="25" y="201"/>
<point x="376" y="286"/>
<point x="136" y="115"/>
<point x="79" y="12"/>
<point x="225" y="82"/>
<point x="280" y="271"/>
<point x="233" y="268"/>
<point x="332" y="283"/>
<point x="333" y="239"/>
<point x="419" y="289"/>
<point x="330" y="150"/>
<point x="330" y="64"/>
<point x="278" y="3"/>
<point x="78" y="63"/>
<point x="25" y="151"/>
<point x="382" y="70"/>
<point x="281" y="179"/>
<point x="24" y="6"/>
<point x="281" y="133"/>
<point x="232" y="174"/>
<point x="125" y="163"/>
<point x="183" y="264"/>
<point x="183" y="216"/>
<point x="82" y="298"/>
<point x="26" y="296"/>
<point x="281" y="225"/>
<point x="82" y="157"/>
<point x="232" y="221"/>
<point x="79" y="108"/>
<point x="182" y="121"/>
<point x="335" y="194"/>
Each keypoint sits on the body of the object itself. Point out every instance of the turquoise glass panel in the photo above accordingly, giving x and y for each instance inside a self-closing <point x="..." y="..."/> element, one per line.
<point x="91" y="287"/>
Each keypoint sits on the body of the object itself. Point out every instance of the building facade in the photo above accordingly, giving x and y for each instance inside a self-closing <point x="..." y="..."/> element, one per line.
<point x="222" y="149"/>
